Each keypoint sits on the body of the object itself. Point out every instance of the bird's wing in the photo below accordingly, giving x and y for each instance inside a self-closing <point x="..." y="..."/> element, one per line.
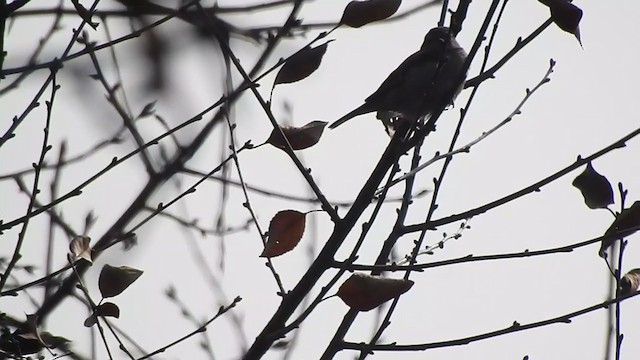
<point x="419" y="59"/>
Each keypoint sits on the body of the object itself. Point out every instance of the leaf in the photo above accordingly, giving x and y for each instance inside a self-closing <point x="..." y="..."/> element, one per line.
<point x="79" y="248"/>
<point x="365" y="292"/>
<point x="595" y="188"/>
<point x="630" y="282"/>
<point x="285" y="231"/>
<point x="27" y="339"/>
<point x="104" y="309"/>
<point x="299" y="137"/>
<point x="114" y="280"/>
<point x="108" y="309"/>
<point x="566" y="15"/>
<point x="360" y="13"/>
<point x="301" y="64"/>
<point x="625" y="224"/>
<point x="91" y="320"/>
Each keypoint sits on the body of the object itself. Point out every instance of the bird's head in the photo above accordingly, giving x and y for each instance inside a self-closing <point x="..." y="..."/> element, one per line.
<point x="436" y="38"/>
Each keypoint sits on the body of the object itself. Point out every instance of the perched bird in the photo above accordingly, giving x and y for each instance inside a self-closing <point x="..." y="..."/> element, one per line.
<point x="422" y="84"/>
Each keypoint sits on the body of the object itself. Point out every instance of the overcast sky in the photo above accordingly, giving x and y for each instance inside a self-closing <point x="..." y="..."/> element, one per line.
<point x="590" y="102"/>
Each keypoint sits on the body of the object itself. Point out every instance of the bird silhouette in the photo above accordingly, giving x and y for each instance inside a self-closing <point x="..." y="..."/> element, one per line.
<point x="425" y="82"/>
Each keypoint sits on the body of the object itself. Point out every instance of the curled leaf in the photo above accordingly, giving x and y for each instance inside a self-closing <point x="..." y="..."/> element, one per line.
<point x="365" y="292"/>
<point x="630" y="282"/>
<point x="301" y="64"/>
<point x="80" y="249"/>
<point x="105" y="309"/>
<point x="299" y="137"/>
<point x="595" y="188"/>
<point x="360" y="13"/>
<point x="625" y="224"/>
<point x="114" y="280"/>
<point x="285" y="231"/>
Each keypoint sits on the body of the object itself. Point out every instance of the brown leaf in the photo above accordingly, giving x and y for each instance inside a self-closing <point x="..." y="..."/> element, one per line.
<point x="104" y="309"/>
<point x="91" y="320"/>
<point x="595" y="188"/>
<point x="285" y="231"/>
<point x="566" y="15"/>
<point x="114" y="280"/>
<point x="79" y="248"/>
<point x="630" y="282"/>
<point x="299" y="137"/>
<point x="360" y="13"/>
<point x="108" y="309"/>
<point x="301" y="64"/>
<point x="625" y="224"/>
<point x="365" y="292"/>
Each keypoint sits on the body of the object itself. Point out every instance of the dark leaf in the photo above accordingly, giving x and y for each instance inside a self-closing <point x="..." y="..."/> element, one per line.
<point x="625" y="224"/>
<point x="360" y="13"/>
<point x="105" y="309"/>
<point x="114" y="280"/>
<point x="365" y="292"/>
<point x="91" y="320"/>
<point x="630" y="282"/>
<point x="28" y="339"/>
<point x="595" y="188"/>
<point x="299" y="137"/>
<point x="79" y="248"/>
<point x="108" y="309"/>
<point x="301" y="64"/>
<point x="285" y="231"/>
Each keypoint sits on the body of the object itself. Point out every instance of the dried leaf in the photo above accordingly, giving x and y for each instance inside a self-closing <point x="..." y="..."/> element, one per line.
<point x="114" y="280"/>
<point x="566" y="15"/>
<point x="595" y="188"/>
<point x="301" y="64"/>
<point x="285" y="231"/>
<point x="91" y="320"/>
<point x="104" y="309"/>
<point x="79" y="248"/>
<point x="299" y="137"/>
<point x="360" y="13"/>
<point x="625" y="224"/>
<point x="108" y="309"/>
<point x="630" y="282"/>
<point x="365" y="292"/>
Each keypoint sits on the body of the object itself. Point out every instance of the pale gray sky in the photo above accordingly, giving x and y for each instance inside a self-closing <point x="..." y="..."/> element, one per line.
<point x="589" y="103"/>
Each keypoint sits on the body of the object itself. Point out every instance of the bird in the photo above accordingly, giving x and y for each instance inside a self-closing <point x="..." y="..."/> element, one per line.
<point x="428" y="80"/>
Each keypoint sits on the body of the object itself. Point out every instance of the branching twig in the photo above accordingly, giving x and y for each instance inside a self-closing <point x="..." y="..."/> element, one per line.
<point x="221" y="311"/>
<point x="466" y="148"/>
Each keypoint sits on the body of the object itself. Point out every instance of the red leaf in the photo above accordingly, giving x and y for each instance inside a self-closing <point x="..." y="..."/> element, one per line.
<point x="114" y="280"/>
<point x="360" y="13"/>
<point x="365" y="292"/>
<point x="299" y="137"/>
<point x="301" y="64"/>
<point x="285" y="231"/>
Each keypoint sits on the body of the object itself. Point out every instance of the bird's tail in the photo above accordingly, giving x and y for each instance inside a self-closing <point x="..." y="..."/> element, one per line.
<point x="363" y="109"/>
